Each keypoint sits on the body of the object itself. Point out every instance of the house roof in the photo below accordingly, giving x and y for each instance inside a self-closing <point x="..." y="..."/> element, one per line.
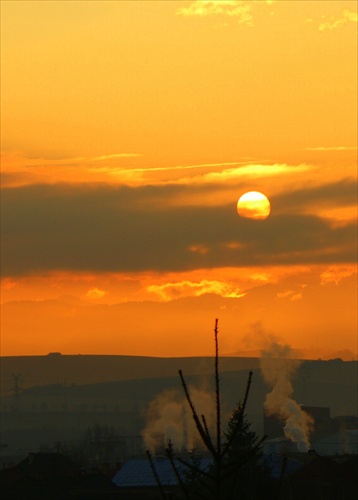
<point x="138" y="472"/>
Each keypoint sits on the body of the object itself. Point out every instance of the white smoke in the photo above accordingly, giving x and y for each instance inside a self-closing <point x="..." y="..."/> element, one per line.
<point x="278" y="369"/>
<point x="169" y="417"/>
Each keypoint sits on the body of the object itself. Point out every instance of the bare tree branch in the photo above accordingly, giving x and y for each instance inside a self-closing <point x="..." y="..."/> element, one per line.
<point x="205" y="436"/>
<point x="162" y="492"/>
<point x="170" y="454"/>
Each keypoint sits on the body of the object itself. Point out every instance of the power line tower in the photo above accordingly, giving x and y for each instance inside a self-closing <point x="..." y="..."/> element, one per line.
<point x="16" y="389"/>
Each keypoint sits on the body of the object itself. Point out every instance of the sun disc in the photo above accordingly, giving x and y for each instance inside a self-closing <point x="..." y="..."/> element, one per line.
<point x="254" y="205"/>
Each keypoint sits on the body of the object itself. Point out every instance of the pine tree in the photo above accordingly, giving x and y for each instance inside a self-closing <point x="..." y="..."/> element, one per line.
<point x="251" y="479"/>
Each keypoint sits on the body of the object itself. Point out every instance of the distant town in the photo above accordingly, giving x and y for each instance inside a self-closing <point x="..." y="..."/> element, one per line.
<point x="106" y="429"/>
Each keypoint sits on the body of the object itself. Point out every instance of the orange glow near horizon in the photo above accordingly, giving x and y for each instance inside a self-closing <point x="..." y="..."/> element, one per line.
<point x="76" y="303"/>
<point x="129" y="131"/>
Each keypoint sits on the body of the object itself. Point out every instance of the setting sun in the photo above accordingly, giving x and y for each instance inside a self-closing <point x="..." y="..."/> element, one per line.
<point x="254" y="205"/>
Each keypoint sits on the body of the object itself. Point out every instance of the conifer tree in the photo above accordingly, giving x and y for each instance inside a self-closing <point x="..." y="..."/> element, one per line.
<point x="251" y="479"/>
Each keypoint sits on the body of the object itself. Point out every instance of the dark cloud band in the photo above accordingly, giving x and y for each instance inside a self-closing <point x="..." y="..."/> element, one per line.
<point x="101" y="228"/>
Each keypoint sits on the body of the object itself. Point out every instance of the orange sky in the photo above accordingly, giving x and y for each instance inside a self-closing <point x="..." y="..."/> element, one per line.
<point x="130" y="129"/>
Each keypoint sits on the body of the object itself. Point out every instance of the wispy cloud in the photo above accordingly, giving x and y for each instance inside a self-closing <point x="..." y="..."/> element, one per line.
<point x="212" y="173"/>
<point x="169" y="291"/>
<point x="335" y="275"/>
<point x="239" y="9"/>
<point x="185" y="167"/>
<point x="290" y="294"/>
<point x="232" y="8"/>
<point x="255" y="171"/>
<point x="19" y="158"/>
<point x="334" y="22"/>
<point x="114" y="169"/>
<point x="117" y="155"/>
<point x="332" y="148"/>
<point x="95" y="293"/>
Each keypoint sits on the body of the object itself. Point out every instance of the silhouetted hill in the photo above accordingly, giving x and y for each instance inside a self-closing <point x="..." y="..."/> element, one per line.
<point x="329" y="383"/>
<point x="89" y="369"/>
<point x="59" y="397"/>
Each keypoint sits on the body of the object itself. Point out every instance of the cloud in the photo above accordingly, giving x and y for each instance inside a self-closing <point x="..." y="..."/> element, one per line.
<point x="114" y="229"/>
<point x="335" y="275"/>
<point x="314" y="198"/>
<point x="238" y="9"/>
<point x="19" y="170"/>
<point x="290" y="294"/>
<point x="253" y="171"/>
<point x="113" y="169"/>
<point x="332" y="148"/>
<point x="116" y="155"/>
<point x="297" y="296"/>
<point x="334" y="22"/>
<point x="129" y="171"/>
<point x="186" y="288"/>
<point x="231" y="8"/>
<point x="95" y="293"/>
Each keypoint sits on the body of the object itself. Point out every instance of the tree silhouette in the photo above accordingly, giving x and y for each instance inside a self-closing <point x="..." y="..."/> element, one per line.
<point x="251" y="477"/>
<point x="234" y="455"/>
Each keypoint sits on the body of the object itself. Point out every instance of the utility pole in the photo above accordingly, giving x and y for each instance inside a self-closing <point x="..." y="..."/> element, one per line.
<point x="16" y="388"/>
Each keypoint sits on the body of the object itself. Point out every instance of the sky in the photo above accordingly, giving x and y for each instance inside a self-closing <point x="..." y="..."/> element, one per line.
<point x="130" y="129"/>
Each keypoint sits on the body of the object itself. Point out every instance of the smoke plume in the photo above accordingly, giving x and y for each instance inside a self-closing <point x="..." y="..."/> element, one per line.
<point x="278" y="369"/>
<point x="168" y="417"/>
